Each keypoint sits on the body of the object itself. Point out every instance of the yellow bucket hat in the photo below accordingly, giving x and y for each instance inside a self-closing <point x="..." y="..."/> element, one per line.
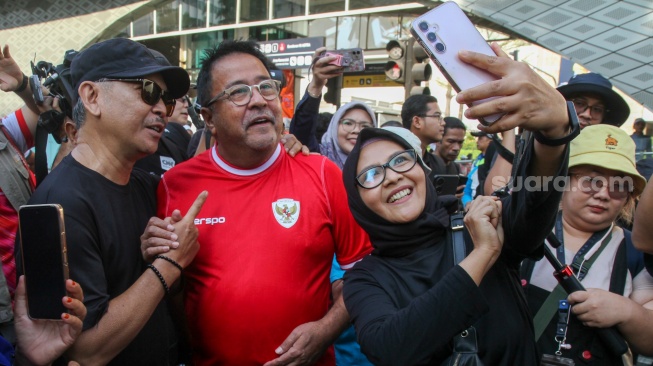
<point x="607" y="147"/>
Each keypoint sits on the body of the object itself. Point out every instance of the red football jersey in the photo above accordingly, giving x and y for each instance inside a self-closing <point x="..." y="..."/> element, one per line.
<point x="267" y="239"/>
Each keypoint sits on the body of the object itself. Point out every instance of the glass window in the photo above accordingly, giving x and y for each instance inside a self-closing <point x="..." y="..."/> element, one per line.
<point x="288" y="8"/>
<point x="326" y="6"/>
<point x="144" y="25"/>
<point x="193" y="14"/>
<point x="202" y="41"/>
<point x="253" y="10"/>
<point x="280" y="31"/>
<point x="364" y="4"/>
<point x="222" y="12"/>
<point x="349" y="32"/>
<point x="381" y="30"/>
<point x="326" y="28"/>
<point x="167" y="17"/>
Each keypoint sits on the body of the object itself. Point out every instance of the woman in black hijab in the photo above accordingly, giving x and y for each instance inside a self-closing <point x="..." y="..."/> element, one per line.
<point x="408" y="300"/>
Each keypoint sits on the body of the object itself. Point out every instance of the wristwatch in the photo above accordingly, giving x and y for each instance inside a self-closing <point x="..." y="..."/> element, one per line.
<point x="575" y="130"/>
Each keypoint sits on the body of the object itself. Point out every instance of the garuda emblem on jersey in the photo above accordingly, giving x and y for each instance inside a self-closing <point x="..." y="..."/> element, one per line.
<point x="286" y="211"/>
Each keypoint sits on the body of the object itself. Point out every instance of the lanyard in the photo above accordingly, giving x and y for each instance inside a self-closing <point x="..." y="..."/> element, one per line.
<point x="577" y="263"/>
<point x="580" y="266"/>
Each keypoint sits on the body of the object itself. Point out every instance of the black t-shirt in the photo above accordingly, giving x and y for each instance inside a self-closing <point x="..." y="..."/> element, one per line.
<point x="405" y="317"/>
<point x="104" y="222"/>
<point x="170" y="152"/>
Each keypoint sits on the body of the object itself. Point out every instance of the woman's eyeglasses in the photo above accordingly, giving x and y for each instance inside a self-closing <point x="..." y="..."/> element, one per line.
<point x="348" y="124"/>
<point x="373" y="176"/>
<point x="151" y="93"/>
<point x="241" y="94"/>
<point x="618" y="187"/>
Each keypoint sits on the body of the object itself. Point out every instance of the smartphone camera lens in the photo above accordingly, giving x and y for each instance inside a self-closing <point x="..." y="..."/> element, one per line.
<point x="423" y="26"/>
<point x="431" y="36"/>
<point x="439" y="47"/>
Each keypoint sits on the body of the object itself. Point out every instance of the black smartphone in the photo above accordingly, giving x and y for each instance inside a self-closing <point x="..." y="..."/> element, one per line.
<point x="446" y="184"/>
<point x="43" y="251"/>
<point x="462" y="179"/>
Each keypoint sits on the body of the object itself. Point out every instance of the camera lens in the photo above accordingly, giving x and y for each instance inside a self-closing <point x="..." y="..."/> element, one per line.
<point x="423" y="26"/>
<point x="431" y="37"/>
<point x="439" y="47"/>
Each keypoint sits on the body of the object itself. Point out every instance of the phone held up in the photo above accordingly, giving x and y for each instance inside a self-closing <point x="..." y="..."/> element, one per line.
<point x="444" y="31"/>
<point x="350" y="59"/>
<point x="43" y="252"/>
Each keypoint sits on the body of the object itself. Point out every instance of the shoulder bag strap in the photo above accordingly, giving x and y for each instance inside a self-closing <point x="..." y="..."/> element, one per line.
<point x="457" y="237"/>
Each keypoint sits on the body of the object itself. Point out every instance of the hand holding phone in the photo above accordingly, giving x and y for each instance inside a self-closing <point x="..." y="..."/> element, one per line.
<point x="351" y="60"/>
<point x="43" y="254"/>
<point x="443" y="32"/>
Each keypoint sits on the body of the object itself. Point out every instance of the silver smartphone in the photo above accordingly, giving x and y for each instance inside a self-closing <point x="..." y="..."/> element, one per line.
<point x="443" y="32"/>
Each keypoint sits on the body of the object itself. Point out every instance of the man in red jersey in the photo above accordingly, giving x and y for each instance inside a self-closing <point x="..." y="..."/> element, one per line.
<point x="258" y="291"/>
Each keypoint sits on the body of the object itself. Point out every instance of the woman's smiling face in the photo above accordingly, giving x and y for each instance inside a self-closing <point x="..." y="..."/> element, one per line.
<point x="401" y="197"/>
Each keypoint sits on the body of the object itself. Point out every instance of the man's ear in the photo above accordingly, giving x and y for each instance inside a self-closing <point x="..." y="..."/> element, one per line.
<point x="209" y="123"/>
<point x="417" y="122"/>
<point x="71" y="130"/>
<point x="89" y="95"/>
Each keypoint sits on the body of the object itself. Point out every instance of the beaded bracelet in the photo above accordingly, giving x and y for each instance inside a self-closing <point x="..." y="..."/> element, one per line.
<point x="174" y="263"/>
<point x="163" y="281"/>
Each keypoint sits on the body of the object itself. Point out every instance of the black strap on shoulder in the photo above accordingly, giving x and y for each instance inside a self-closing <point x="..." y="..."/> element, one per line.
<point x="40" y="154"/>
<point x="619" y="270"/>
<point x="457" y="237"/>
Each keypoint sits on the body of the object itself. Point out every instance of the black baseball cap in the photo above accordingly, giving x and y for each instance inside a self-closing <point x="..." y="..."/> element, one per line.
<point x="122" y="58"/>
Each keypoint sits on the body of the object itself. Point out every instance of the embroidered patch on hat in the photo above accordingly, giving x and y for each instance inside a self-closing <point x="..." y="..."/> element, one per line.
<point x="286" y="211"/>
<point x="611" y="142"/>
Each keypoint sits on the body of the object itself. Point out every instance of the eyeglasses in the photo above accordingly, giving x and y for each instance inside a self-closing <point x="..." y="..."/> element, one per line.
<point x="373" y="176"/>
<point x="241" y="94"/>
<point x="618" y="187"/>
<point x="151" y="93"/>
<point x="348" y="124"/>
<point x="437" y="116"/>
<point x="596" y="111"/>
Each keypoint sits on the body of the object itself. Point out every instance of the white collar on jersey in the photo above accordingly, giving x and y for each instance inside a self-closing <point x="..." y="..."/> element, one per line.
<point x="245" y="172"/>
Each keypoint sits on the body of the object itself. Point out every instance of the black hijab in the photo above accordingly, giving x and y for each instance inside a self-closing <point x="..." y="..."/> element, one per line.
<point x="391" y="239"/>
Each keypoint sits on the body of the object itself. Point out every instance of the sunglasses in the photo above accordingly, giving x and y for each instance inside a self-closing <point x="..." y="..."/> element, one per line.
<point x="151" y="93"/>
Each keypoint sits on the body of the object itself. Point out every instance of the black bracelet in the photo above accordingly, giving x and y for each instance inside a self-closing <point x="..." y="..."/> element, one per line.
<point x="23" y="85"/>
<point x="181" y="269"/>
<point x="163" y="281"/>
<point x="575" y="130"/>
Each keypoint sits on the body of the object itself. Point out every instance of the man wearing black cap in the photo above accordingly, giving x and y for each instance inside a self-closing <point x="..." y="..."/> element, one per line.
<point x="122" y="98"/>
<point x="175" y="139"/>
<point x="595" y="100"/>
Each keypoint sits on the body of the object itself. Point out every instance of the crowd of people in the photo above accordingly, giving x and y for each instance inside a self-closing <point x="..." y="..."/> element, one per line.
<point x="254" y="251"/>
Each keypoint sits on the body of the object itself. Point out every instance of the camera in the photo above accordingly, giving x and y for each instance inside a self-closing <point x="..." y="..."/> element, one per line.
<point x="58" y="81"/>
